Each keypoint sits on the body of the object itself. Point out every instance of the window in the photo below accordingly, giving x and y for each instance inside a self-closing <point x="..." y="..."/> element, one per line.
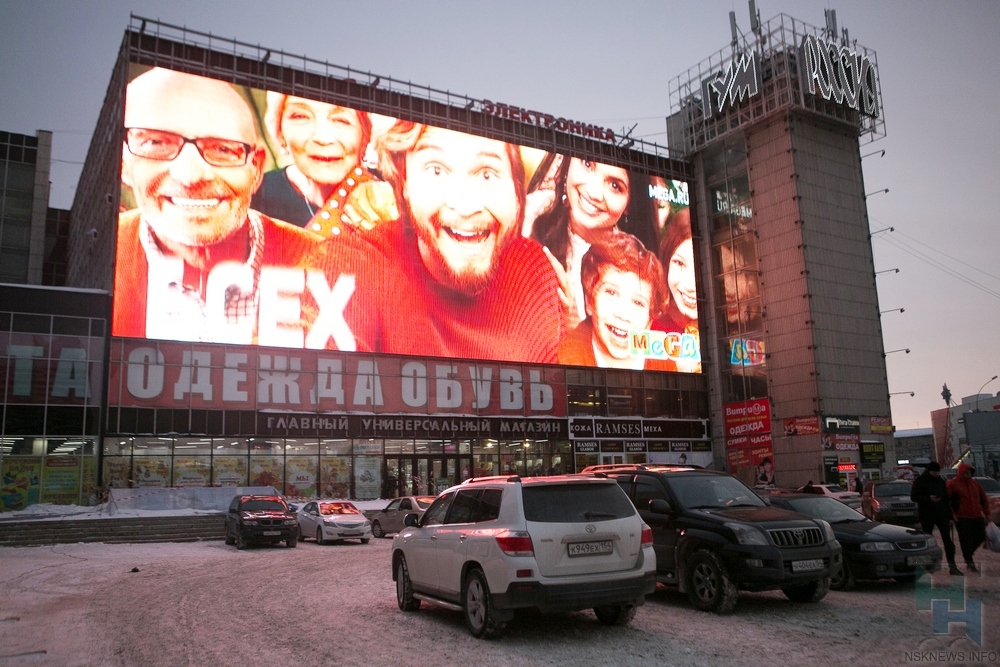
<point x="405" y="504"/>
<point x="646" y="489"/>
<point x="436" y="513"/>
<point x="559" y="503"/>
<point x="464" y="507"/>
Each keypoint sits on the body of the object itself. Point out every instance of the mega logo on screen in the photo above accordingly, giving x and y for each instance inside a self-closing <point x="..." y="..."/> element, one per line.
<point x="251" y="217"/>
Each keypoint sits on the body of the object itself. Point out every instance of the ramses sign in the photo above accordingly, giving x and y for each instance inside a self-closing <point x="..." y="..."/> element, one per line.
<point x="839" y="74"/>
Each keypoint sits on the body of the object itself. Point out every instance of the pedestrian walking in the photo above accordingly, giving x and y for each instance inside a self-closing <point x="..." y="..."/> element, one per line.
<point x="971" y="508"/>
<point x="930" y="493"/>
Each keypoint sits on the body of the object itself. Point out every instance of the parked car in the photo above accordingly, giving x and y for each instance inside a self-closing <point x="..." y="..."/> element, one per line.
<point x="889" y="501"/>
<point x="992" y="489"/>
<point x="260" y="520"/>
<point x="714" y="536"/>
<point x="837" y="492"/>
<point x="495" y="544"/>
<point x="333" y="521"/>
<point x="390" y="518"/>
<point x="871" y="550"/>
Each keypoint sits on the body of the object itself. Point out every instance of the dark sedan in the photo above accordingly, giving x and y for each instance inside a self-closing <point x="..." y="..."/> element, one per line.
<point x="871" y="550"/>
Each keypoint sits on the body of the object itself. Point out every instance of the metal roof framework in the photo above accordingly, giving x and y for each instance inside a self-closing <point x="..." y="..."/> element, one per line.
<point x="776" y="46"/>
<point x="157" y="44"/>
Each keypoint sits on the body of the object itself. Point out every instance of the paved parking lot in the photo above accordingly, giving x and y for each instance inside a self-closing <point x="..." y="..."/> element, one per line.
<point x="207" y="603"/>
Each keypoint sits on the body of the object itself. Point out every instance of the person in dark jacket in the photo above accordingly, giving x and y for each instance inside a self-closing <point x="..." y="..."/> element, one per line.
<point x="930" y="493"/>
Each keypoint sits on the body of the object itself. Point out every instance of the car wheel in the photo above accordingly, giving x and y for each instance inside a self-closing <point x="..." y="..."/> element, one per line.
<point x="241" y="542"/>
<point x="404" y="587"/>
<point x="319" y="536"/>
<point x="364" y="540"/>
<point x="377" y="529"/>
<point x="230" y="540"/>
<point x="709" y="586"/>
<point x="292" y="541"/>
<point x="814" y="591"/>
<point x="480" y="617"/>
<point x="842" y="578"/>
<point x="615" y="614"/>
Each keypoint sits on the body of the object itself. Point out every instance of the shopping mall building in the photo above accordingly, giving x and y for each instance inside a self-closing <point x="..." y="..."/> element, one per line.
<point x="355" y="375"/>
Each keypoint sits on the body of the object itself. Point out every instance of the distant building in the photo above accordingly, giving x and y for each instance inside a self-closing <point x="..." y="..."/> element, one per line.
<point x="915" y="445"/>
<point x="32" y="235"/>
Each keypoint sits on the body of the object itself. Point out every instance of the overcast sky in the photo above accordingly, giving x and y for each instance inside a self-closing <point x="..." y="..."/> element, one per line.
<point x="609" y="63"/>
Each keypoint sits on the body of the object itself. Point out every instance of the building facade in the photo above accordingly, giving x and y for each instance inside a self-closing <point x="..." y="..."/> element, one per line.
<point x="778" y="376"/>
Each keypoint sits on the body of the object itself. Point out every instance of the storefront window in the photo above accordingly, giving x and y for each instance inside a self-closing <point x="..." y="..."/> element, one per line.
<point x="335" y="476"/>
<point x="267" y="469"/>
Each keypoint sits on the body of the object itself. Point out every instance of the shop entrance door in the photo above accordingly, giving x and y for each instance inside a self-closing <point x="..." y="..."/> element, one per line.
<point x="612" y="458"/>
<point x="425" y="475"/>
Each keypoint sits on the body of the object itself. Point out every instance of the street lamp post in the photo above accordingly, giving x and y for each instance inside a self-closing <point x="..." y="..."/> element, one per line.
<point x="982" y="445"/>
<point x="981" y="390"/>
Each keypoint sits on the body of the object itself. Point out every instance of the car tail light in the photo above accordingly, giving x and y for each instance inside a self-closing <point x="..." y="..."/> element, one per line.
<point x="647" y="535"/>
<point x="515" y="543"/>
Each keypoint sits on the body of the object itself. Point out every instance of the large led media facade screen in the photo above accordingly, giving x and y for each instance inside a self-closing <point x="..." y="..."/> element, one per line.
<point x="251" y="217"/>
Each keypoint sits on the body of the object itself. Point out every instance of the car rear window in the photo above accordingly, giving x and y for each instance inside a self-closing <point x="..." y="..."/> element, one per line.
<point x="989" y="485"/>
<point x="571" y="503"/>
<point x="893" y="489"/>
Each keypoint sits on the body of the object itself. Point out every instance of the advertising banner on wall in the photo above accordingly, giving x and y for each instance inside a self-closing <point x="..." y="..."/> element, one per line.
<point x="872" y="454"/>
<point x="192" y="471"/>
<point x="21" y="477"/>
<point x="368" y="477"/>
<point x="184" y="375"/>
<point x="748" y="438"/>
<point x="437" y="236"/>
<point x="801" y="425"/>
<point x="229" y="471"/>
<point x="880" y="424"/>
<point x="840" y="442"/>
<point x="61" y="480"/>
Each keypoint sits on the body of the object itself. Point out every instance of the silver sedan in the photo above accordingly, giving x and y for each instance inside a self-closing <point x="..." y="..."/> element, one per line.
<point x="333" y="521"/>
<point x="390" y="519"/>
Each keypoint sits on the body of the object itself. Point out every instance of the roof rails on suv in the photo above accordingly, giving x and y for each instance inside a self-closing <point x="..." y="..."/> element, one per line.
<point x="605" y="467"/>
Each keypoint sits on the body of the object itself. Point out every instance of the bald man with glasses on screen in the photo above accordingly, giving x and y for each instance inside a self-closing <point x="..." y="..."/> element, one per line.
<point x="193" y="261"/>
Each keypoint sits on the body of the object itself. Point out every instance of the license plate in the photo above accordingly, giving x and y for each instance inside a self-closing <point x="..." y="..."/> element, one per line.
<point x="807" y="565"/>
<point x="590" y="548"/>
<point x="268" y="533"/>
<point x="920" y="560"/>
<point x="351" y="533"/>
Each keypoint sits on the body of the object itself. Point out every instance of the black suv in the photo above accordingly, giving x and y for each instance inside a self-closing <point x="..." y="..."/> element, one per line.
<point x="261" y="519"/>
<point x="714" y="536"/>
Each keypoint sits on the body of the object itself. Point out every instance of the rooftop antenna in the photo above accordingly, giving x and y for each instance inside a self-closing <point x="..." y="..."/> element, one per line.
<point x="734" y="30"/>
<point x="626" y="140"/>
<point x="845" y="38"/>
<point x="831" y="22"/>
<point x="754" y="18"/>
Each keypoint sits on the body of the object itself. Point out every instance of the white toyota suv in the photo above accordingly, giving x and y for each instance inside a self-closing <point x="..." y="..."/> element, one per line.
<point x="495" y="544"/>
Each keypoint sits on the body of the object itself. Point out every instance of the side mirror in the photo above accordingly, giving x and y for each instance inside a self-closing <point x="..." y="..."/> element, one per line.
<point x="660" y="506"/>
<point x="410" y="520"/>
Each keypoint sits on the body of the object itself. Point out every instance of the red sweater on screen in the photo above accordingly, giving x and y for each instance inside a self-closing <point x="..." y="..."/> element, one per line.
<point x="516" y="318"/>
